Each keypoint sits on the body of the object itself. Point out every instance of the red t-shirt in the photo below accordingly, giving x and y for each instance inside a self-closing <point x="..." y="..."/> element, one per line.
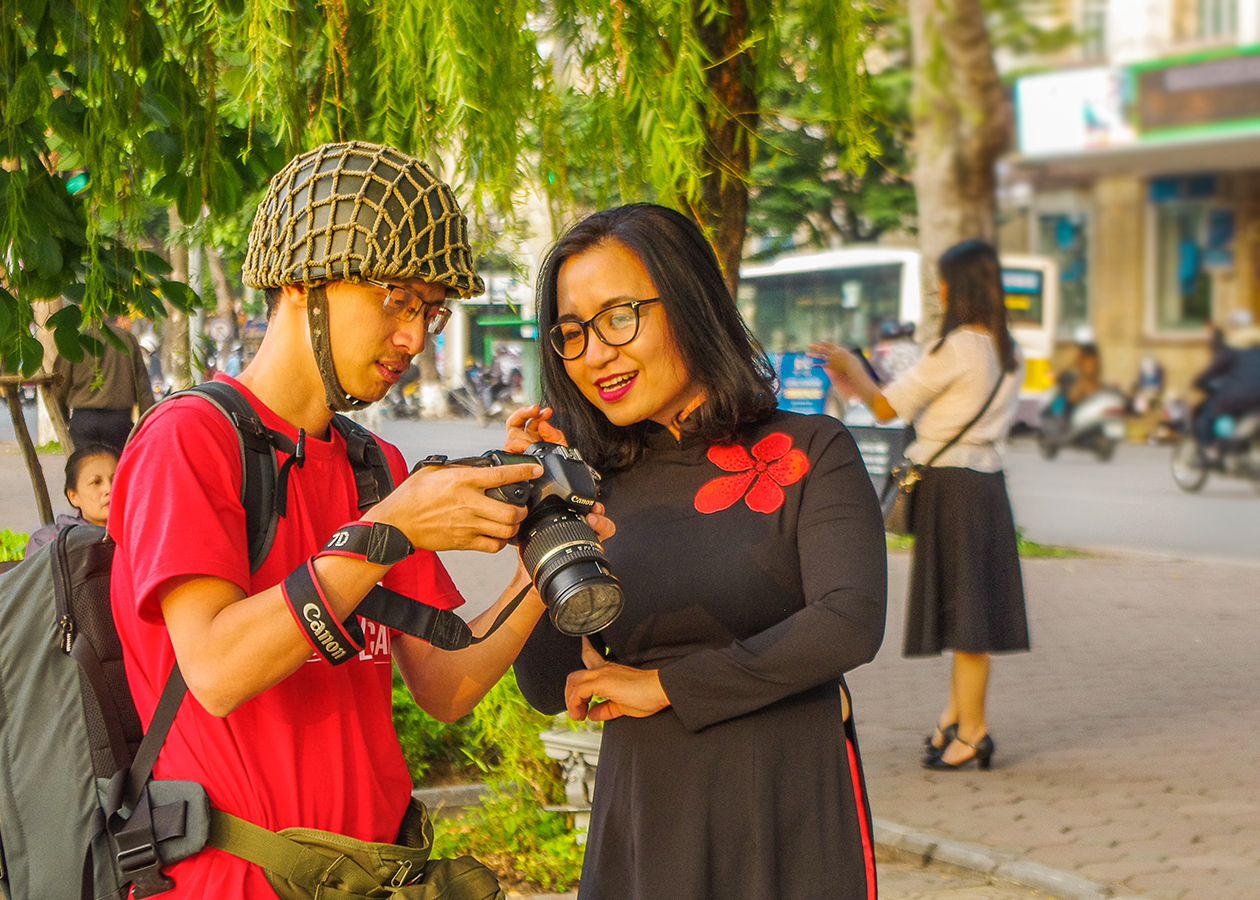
<point x="317" y="750"/>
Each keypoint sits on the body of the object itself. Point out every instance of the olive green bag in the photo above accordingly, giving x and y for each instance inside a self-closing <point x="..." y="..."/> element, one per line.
<point x="308" y="864"/>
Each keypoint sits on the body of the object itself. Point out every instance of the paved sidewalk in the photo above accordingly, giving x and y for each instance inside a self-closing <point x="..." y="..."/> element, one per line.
<point x="1127" y="740"/>
<point x="906" y="881"/>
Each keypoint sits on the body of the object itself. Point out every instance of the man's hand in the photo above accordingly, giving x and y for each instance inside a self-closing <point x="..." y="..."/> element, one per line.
<point x="446" y="507"/>
<point x="626" y="691"/>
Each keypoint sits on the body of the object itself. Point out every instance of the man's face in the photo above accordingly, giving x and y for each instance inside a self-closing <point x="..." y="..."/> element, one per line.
<point x="371" y="347"/>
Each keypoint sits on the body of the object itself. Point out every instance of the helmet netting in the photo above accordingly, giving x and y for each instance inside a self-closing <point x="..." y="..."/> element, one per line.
<point x="356" y="210"/>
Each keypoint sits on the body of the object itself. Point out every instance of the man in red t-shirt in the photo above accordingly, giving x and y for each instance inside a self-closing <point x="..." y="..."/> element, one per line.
<point x="358" y="247"/>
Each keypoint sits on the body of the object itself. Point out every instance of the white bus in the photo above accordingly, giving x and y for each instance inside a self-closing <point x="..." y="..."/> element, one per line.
<point x="845" y="295"/>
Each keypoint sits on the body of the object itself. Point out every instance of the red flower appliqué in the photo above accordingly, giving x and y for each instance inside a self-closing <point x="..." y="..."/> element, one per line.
<point x="774" y="462"/>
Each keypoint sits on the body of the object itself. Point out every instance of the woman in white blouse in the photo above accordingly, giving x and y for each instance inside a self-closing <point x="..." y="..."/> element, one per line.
<point x="966" y="593"/>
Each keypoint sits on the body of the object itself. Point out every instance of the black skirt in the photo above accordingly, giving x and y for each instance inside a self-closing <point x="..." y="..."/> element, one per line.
<point x="966" y="592"/>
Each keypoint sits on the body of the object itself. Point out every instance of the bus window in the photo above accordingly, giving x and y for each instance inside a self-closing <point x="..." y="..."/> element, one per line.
<point x="844" y="305"/>
<point x="1024" y="296"/>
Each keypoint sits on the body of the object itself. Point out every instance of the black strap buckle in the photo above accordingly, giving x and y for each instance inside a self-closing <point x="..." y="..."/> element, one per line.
<point x="137" y="855"/>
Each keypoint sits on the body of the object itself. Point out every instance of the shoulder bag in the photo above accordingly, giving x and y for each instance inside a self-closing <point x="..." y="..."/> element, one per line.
<point x="897" y="498"/>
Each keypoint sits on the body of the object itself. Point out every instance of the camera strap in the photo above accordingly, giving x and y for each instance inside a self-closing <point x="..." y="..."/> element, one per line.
<point x="322" y="630"/>
<point x="338" y="642"/>
<point x="382" y="544"/>
<point x="376" y="542"/>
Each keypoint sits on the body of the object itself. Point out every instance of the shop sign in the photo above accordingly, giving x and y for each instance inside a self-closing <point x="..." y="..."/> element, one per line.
<point x="802" y="383"/>
<point x="1198" y="93"/>
<point x="1071" y="111"/>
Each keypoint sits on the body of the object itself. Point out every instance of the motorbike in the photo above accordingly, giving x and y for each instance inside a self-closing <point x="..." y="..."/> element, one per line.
<point x="1095" y="424"/>
<point x="483" y="397"/>
<point x="1236" y="454"/>
<point x="402" y="401"/>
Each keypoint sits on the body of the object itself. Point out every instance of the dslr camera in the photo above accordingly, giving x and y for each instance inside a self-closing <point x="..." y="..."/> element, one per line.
<point x="560" y="550"/>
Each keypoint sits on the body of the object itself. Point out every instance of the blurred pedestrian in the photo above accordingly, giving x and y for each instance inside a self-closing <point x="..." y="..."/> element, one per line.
<point x="966" y="591"/>
<point x="101" y="395"/>
<point x="896" y="351"/>
<point x="752" y="559"/>
<point x="89" y="479"/>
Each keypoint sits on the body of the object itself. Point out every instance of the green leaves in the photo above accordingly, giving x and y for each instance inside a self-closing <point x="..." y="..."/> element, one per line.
<point x="180" y="295"/>
<point x="29" y="97"/>
<point x="65" y="324"/>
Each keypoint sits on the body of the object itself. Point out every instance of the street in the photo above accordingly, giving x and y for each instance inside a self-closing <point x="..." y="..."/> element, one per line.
<point x="1129" y="504"/>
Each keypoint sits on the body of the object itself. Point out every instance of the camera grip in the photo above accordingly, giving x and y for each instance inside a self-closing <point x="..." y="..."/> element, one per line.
<point x="516" y="493"/>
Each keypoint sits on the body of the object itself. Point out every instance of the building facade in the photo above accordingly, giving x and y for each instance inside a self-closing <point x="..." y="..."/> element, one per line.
<point x="1138" y="169"/>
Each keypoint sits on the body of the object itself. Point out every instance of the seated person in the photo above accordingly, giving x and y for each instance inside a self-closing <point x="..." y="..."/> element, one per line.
<point x="89" y="476"/>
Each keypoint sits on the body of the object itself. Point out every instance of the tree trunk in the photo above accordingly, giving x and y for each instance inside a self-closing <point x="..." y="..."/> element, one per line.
<point x="727" y="160"/>
<point x="433" y="403"/>
<point x="49" y="416"/>
<point x="226" y="299"/>
<point x="43" y="503"/>
<point x="962" y="123"/>
<point x="176" y="351"/>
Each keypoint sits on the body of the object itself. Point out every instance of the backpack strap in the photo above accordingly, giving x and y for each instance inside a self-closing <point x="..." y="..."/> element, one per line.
<point x="259" y="466"/>
<point x="135" y="824"/>
<point x="264" y="483"/>
<point x="372" y="477"/>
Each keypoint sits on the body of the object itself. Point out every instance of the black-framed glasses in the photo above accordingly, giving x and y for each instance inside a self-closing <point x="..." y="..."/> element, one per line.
<point x="403" y="303"/>
<point x="615" y="326"/>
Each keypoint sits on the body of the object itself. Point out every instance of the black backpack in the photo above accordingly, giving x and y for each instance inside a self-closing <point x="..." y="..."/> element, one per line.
<point x="79" y="814"/>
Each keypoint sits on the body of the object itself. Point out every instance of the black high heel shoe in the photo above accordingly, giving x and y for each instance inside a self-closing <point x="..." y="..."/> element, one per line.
<point x="984" y="755"/>
<point x="948" y="733"/>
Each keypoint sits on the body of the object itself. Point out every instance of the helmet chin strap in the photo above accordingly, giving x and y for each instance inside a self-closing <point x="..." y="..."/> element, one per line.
<point x="335" y="395"/>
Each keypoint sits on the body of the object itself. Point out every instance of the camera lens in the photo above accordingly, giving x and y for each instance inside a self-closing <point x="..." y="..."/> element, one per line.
<point x="566" y="562"/>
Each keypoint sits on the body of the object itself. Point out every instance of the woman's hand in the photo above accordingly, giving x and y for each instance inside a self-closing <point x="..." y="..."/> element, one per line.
<point x="602" y="525"/>
<point x="839" y="363"/>
<point x="625" y="691"/>
<point x="530" y="424"/>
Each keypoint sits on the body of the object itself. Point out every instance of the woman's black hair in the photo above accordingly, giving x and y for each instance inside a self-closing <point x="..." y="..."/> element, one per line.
<point x="74" y="463"/>
<point x="719" y="353"/>
<point x="973" y="282"/>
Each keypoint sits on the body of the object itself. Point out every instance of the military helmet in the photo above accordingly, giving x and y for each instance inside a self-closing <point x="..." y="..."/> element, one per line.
<point x="354" y="210"/>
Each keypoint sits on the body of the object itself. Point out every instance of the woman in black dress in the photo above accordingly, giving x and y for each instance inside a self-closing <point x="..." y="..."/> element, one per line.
<point x="751" y="553"/>
<point x="966" y="593"/>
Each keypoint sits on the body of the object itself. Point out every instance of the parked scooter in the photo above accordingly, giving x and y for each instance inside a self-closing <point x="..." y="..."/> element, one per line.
<point x="1236" y="453"/>
<point x="1095" y="424"/>
<point x="402" y="401"/>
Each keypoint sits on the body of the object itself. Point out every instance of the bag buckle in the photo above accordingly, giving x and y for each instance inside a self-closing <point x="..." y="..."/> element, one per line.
<point x="141" y="866"/>
<point x="136" y="858"/>
<point x="400" y="877"/>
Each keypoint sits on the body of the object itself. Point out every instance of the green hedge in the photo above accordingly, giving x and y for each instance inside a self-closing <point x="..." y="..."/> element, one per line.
<point x="511" y="832"/>
<point x="12" y="545"/>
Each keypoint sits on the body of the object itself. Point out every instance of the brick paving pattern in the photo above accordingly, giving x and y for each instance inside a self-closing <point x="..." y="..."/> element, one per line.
<point x="1128" y="740"/>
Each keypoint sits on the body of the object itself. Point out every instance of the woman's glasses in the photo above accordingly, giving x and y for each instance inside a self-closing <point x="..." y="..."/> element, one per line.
<point x="614" y="326"/>
<point x="404" y="304"/>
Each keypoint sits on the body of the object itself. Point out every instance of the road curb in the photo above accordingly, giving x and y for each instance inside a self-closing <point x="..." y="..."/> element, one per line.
<point x="918" y="847"/>
<point x="922" y="848"/>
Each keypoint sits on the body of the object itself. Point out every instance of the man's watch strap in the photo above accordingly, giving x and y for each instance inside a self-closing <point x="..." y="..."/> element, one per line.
<point x="377" y="542"/>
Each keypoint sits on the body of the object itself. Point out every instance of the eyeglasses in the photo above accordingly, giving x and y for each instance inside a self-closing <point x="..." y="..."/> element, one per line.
<point x="405" y="304"/>
<point x="615" y="326"/>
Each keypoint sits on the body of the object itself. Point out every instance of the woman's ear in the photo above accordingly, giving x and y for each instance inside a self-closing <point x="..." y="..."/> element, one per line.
<point x="72" y="497"/>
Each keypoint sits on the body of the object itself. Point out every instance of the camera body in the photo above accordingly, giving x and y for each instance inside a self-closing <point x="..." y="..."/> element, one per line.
<point x="560" y="550"/>
<point x="566" y="480"/>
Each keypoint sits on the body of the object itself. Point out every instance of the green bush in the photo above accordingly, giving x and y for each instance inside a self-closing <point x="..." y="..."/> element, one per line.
<point x="433" y="747"/>
<point x="511" y="832"/>
<point x="12" y="545"/>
